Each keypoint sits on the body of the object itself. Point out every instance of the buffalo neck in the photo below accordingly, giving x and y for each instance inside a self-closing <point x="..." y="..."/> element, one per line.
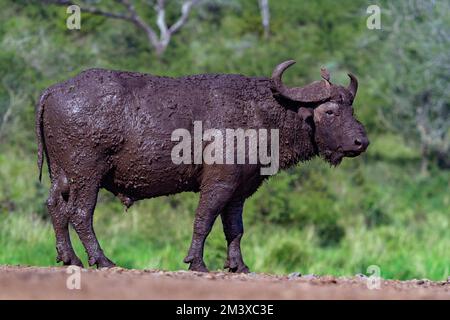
<point x="296" y="140"/>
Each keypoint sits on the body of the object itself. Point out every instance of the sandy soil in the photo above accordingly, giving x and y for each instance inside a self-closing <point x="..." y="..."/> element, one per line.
<point x="18" y="282"/>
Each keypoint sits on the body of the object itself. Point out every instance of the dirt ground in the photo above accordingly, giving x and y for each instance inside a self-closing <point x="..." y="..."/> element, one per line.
<point x="18" y="282"/>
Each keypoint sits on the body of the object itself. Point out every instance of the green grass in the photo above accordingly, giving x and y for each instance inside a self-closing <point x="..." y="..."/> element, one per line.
<point x="371" y="210"/>
<point x="312" y="219"/>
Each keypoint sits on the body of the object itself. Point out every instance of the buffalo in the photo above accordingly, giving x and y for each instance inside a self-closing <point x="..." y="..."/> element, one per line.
<point x="114" y="130"/>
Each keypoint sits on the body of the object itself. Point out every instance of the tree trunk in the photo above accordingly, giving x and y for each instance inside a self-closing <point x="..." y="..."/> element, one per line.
<point x="424" y="161"/>
<point x="265" y="16"/>
<point x="159" y="50"/>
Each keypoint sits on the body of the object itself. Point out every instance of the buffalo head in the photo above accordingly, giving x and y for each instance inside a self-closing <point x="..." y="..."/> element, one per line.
<point x="337" y="133"/>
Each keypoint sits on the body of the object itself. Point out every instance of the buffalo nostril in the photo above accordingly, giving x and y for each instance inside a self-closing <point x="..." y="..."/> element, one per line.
<point x="361" y="143"/>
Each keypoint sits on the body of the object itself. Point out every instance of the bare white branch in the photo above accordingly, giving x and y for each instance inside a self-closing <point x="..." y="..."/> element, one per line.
<point x="265" y="16"/>
<point x="136" y="19"/>
<point x="159" y="43"/>
<point x="185" y="10"/>
<point x="92" y="10"/>
<point x="161" y="22"/>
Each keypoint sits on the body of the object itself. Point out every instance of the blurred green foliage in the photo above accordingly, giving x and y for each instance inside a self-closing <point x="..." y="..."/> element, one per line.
<point x="375" y="209"/>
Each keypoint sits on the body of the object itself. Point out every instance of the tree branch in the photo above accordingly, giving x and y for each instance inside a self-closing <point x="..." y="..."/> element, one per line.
<point x="161" y="22"/>
<point x="265" y="16"/>
<point x="136" y="19"/>
<point x="159" y="43"/>
<point x="92" y="10"/>
<point x="185" y="10"/>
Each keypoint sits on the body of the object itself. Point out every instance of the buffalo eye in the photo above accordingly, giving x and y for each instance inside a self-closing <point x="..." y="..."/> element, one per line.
<point x="329" y="112"/>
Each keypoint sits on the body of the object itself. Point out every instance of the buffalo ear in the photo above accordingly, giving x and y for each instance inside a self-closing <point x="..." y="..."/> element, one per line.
<point x="317" y="91"/>
<point x="353" y="86"/>
<point x="325" y="74"/>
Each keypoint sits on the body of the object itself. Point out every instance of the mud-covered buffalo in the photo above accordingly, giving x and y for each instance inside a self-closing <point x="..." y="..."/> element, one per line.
<point x="112" y="129"/>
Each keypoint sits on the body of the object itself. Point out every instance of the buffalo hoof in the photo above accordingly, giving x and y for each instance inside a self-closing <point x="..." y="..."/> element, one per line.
<point x="196" y="264"/>
<point x="70" y="261"/>
<point x="198" y="267"/>
<point x="240" y="269"/>
<point x="102" y="262"/>
<point x="236" y="265"/>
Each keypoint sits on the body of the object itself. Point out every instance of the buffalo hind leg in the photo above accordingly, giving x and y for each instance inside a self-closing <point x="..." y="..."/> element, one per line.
<point x="212" y="201"/>
<point x="57" y="208"/>
<point x="233" y="228"/>
<point x="83" y="205"/>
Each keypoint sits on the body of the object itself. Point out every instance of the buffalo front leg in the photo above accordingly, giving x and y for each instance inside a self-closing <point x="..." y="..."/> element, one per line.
<point x="233" y="228"/>
<point x="83" y="206"/>
<point x="212" y="201"/>
<point x="57" y="208"/>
